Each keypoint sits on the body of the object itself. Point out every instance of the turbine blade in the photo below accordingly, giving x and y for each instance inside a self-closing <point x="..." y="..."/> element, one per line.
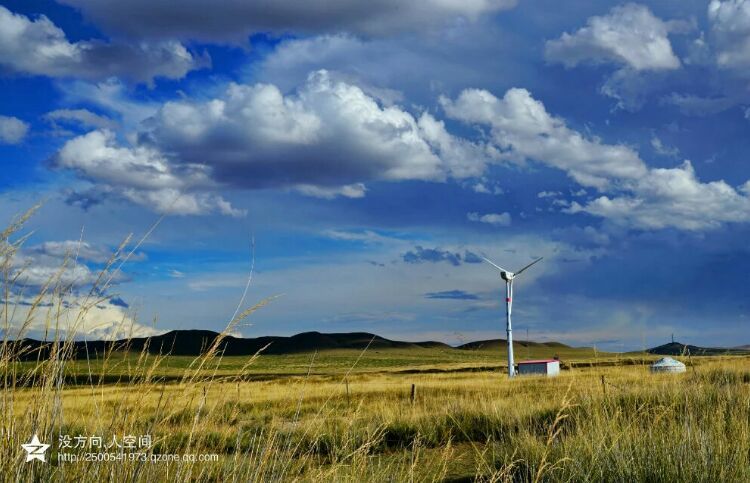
<point x="494" y="264"/>
<point x="527" y="266"/>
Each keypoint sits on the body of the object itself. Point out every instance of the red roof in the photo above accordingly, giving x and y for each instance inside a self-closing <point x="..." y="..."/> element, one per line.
<point x="539" y="361"/>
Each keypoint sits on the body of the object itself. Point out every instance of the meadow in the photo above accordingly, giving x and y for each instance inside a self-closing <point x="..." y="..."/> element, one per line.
<point x="323" y="417"/>
<point x="351" y="415"/>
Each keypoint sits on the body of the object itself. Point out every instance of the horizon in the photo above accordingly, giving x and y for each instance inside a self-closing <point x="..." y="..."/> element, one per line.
<point x="412" y="341"/>
<point x="361" y="162"/>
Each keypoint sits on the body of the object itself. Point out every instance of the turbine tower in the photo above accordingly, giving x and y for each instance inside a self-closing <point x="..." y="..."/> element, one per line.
<point x="508" y="276"/>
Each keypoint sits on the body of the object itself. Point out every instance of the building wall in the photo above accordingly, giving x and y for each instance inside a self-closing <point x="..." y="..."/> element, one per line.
<point x="548" y="368"/>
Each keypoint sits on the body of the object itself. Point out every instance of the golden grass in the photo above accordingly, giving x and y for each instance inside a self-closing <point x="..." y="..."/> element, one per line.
<point x="349" y="416"/>
<point x="640" y="427"/>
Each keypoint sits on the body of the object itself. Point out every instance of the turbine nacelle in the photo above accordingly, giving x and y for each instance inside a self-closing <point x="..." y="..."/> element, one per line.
<point x="507" y="275"/>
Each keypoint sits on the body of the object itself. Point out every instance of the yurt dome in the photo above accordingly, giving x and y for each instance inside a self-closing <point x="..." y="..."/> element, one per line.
<point x="667" y="364"/>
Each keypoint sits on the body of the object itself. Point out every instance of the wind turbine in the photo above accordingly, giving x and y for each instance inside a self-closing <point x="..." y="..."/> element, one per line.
<point x="508" y="276"/>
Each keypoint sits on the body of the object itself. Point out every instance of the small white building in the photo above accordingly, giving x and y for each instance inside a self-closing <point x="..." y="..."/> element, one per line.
<point x="667" y="364"/>
<point x="547" y="367"/>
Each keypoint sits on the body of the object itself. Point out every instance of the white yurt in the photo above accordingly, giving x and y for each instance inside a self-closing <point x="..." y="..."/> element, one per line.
<point x="667" y="364"/>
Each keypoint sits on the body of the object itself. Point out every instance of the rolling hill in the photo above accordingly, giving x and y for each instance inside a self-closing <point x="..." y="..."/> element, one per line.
<point x="498" y="344"/>
<point x="678" y="349"/>
<point x="196" y="342"/>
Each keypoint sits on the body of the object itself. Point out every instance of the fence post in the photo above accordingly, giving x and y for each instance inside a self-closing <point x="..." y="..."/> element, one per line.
<point x="604" y="385"/>
<point x="413" y="393"/>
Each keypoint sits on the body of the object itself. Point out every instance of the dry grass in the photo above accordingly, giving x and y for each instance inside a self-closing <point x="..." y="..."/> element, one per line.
<point x="308" y="427"/>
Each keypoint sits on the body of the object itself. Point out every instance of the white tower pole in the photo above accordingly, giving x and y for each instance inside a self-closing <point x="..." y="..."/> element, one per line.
<point x="508" y="326"/>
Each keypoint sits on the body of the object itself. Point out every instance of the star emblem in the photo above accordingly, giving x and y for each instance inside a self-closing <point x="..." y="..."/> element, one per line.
<point x="35" y="449"/>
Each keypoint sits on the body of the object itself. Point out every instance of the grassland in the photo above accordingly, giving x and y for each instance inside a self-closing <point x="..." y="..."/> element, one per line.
<point x="118" y="366"/>
<point x="349" y="415"/>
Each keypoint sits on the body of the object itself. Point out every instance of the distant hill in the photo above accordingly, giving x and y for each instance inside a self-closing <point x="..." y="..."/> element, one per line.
<point x="196" y="342"/>
<point x="678" y="349"/>
<point x="498" y="344"/>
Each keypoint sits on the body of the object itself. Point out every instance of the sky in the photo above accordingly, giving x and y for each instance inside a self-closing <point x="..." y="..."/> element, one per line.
<point x="359" y="158"/>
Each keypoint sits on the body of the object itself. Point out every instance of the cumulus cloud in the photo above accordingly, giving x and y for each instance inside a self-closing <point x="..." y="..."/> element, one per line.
<point x="57" y="285"/>
<point x="723" y="52"/>
<point x="80" y="250"/>
<point x="325" y="140"/>
<point x="497" y="219"/>
<point x="329" y="137"/>
<point x="730" y="28"/>
<point x="329" y="134"/>
<point x="523" y="129"/>
<point x="141" y="174"/>
<point x="641" y="197"/>
<point x="111" y="96"/>
<point x="39" y="47"/>
<point x="77" y="318"/>
<point x="673" y="197"/>
<point x="67" y="262"/>
<point x="235" y="20"/>
<point x="628" y="35"/>
<point x="12" y="130"/>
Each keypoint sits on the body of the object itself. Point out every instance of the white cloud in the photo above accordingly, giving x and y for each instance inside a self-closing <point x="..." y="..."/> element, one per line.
<point x="111" y="96"/>
<point x="723" y="52"/>
<point x="141" y="174"/>
<point x="699" y="106"/>
<point x="235" y="20"/>
<point x="325" y="140"/>
<point x="75" y="316"/>
<point x="497" y="219"/>
<point x="12" y="130"/>
<point x="628" y="35"/>
<point x="662" y="149"/>
<point x="481" y="188"/>
<point x="366" y="236"/>
<point x="523" y="129"/>
<point x="329" y="137"/>
<point x="355" y="190"/>
<point x="82" y="117"/>
<point x="80" y="250"/>
<point x="64" y="262"/>
<point x="548" y="194"/>
<point x="39" y="47"/>
<point x="38" y="273"/>
<point x="642" y="197"/>
<point x="673" y="197"/>
<point x="730" y="29"/>
<point x="329" y="134"/>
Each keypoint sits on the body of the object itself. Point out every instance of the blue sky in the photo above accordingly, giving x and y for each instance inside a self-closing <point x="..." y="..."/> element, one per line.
<point x="374" y="150"/>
